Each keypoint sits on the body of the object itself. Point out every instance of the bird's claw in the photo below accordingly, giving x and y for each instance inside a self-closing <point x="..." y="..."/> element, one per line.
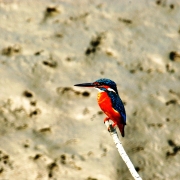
<point x="110" y="128"/>
<point x="106" y="119"/>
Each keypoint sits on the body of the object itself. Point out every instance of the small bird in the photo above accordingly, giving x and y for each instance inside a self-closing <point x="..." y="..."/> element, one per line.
<point x="109" y="101"/>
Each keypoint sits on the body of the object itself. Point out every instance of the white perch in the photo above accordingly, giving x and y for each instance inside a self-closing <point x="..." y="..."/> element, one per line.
<point x="122" y="152"/>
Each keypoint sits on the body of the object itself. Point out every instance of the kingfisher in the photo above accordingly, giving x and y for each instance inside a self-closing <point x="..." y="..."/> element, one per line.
<point x="109" y="101"/>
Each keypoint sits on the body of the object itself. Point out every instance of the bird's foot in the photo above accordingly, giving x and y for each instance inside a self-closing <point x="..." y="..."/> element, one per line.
<point x="106" y="119"/>
<point x="111" y="128"/>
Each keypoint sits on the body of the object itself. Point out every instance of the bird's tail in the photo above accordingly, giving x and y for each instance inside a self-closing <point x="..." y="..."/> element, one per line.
<point x="121" y="128"/>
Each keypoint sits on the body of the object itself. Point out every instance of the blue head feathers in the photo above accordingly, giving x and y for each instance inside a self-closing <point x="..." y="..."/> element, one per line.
<point x="107" y="82"/>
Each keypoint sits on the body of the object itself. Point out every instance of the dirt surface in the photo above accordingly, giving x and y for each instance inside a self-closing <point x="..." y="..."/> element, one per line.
<point x="50" y="129"/>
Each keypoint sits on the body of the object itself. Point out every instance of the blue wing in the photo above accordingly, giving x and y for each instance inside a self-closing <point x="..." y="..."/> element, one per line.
<point x="117" y="104"/>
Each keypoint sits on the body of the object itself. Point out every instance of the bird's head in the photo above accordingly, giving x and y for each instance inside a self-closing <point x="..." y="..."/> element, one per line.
<point x="101" y="85"/>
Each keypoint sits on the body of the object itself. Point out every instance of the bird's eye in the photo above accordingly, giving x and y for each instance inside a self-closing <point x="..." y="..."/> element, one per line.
<point x="96" y="83"/>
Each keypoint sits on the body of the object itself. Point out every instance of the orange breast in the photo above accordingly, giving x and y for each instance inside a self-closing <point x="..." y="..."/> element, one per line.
<point x="105" y="104"/>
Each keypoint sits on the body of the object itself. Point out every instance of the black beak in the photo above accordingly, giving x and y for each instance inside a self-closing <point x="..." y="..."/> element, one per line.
<point x="85" y="85"/>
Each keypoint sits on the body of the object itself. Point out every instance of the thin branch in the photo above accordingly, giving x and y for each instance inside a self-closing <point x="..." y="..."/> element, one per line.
<point x="121" y="151"/>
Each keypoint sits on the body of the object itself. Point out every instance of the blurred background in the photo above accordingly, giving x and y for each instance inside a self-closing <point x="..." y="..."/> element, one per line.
<point x="50" y="129"/>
